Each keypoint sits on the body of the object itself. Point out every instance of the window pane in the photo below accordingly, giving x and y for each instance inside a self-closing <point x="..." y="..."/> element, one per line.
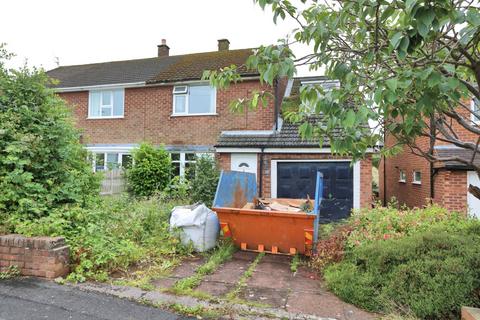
<point x="200" y="99"/>
<point x="176" y="169"/>
<point x="118" y="102"/>
<point x="126" y="161"/>
<point x="99" y="161"/>
<point x="106" y="98"/>
<point x="106" y="112"/>
<point x="112" y="160"/>
<point x="190" y="156"/>
<point x="189" y="170"/>
<point x="94" y="104"/>
<point x="180" y="101"/>
<point x="175" y="156"/>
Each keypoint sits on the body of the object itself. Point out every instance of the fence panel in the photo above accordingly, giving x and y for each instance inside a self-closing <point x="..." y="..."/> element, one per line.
<point x="113" y="182"/>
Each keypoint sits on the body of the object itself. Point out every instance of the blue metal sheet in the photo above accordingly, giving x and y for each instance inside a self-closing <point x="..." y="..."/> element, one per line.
<point x="316" y="209"/>
<point x="235" y="189"/>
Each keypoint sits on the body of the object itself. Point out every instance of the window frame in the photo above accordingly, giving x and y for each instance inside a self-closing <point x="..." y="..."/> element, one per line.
<point x="186" y="93"/>
<point x="400" y="174"/>
<point x="105" y="168"/>
<point x="475" y="118"/>
<point x="414" y="180"/>
<point x="111" y="116"/>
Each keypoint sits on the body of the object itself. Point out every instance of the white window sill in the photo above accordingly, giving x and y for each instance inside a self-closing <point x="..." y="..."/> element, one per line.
<point x="173" y="115"/>
<point x="98" y="118"/>
<point x="402" y="181"/>
<point x="417" y="182"/>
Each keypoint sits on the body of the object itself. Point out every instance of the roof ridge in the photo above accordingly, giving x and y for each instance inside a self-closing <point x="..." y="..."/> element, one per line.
<point x="151" y="58"/>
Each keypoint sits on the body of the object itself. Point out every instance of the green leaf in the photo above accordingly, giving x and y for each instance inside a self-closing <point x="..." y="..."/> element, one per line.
<point x="392" y="84"/>
<point x="349" y="120"/>
<point x="395" y="39"/>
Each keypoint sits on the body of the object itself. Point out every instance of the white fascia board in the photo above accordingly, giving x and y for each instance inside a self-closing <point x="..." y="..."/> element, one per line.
<point x="247" y="133"/>
<point x="238" y="150"/>
<point x="113" y="149"/>
<point x="102" y="87"/>
<point x="288" y="89"/>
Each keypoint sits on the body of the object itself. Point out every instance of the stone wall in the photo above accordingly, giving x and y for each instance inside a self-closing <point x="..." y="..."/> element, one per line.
<point x="44" y="257"/>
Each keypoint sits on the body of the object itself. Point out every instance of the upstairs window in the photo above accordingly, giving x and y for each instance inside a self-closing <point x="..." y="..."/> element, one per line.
<point x="194" y="100"/>
<point x="106" y="103"/>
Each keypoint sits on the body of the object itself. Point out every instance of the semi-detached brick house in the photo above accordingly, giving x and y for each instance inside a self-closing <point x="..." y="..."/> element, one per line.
<point x="414" y="182"/>
<point x="164" y="101"/>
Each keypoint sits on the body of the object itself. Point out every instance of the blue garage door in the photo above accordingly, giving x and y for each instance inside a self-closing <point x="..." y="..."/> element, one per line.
<point x="298" y="179"/>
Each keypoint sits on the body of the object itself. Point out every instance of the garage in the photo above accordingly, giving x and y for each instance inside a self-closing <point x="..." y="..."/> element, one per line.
<point x="298" y="179"/>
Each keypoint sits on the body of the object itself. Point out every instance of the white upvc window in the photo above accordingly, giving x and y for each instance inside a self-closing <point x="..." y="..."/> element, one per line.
<point x="417" y="177"/>
<point x="402" y="176"/>
<point x="106" y="104"/>
<point x="475" y="110"/>
<point x="111" y="161"/>
<point x="194" y="100"/>
<point x="182" y="161"/>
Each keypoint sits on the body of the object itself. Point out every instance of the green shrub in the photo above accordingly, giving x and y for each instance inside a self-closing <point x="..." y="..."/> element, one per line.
<point x="178" y="189"/>
<point x="382" y="223"/>
<point x="111" y="236"/>
<point x="432" y="273"/>
<point x="205" y="180"/>
<point x="151" y="171"/>
<point x="42" y="163"/>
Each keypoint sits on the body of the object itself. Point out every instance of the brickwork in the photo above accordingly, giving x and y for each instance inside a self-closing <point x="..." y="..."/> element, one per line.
<point x="44" y="257"/>
<point x="451" y="190"/>
<point x="148" y="117"/>
<point x="450" y="187"/>
<point x="365" y="170"/>
<point x="406" y="193"/>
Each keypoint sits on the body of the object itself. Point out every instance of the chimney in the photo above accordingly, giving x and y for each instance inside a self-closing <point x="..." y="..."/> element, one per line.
<point x="223" y="44"/>
<point x="163" y="49"/>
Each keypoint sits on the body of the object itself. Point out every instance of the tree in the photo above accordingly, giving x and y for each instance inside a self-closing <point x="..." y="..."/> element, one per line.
<point x="409" y="67"/>
<point x="151" y="170"/>
<point x="205" y="180"/>
<point x="42" y="163"/>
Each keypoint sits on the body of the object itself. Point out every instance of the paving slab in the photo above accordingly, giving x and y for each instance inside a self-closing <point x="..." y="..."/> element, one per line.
<point x="268" y="296"/>
<point x="184" y="270"/>
<point x="271" y="275"/>
<point x="226" y="277"/>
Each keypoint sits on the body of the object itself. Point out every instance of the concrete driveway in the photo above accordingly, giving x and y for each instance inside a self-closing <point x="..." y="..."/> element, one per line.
<point x="32" y="299"/>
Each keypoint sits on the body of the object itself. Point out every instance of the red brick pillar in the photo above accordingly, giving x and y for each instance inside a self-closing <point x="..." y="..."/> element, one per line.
<point x="44" y="257"/>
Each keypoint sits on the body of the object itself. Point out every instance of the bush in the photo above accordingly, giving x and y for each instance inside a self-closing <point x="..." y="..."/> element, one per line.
<point x="382" y="223"/>
<point x="432" y="273"/>
<point x="151" y="171"/>
<point x="331" y="248"/>
<point x="42" y="163"/>
<point x="205" y="180"/>
<point x="111" y="236"/>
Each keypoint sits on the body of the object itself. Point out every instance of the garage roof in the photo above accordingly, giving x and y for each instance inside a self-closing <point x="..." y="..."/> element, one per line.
<point x="455" y="152"/>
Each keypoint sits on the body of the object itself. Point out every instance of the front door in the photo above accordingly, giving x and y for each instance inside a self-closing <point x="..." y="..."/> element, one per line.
<point x="244" y="162"/>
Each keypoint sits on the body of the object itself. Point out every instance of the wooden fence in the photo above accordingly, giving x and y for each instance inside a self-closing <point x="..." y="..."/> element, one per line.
<point x="113" y="182"/>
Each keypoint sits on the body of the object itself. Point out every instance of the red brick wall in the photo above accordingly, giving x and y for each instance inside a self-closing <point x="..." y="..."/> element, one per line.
<point x="39" y="256"/>
<point x="148" y="117"/>
<point x="406" y="193"/>
<point x="365" y="171"/>
<point x="451" y="189"/>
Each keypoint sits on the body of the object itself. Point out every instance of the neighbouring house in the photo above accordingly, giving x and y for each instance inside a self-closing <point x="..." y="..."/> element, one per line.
<point x="413" y="181"/>
<point x="163" y="100"/>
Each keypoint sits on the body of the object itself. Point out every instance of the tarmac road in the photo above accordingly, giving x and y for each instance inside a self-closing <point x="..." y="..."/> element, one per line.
<point x="32" y="299"/>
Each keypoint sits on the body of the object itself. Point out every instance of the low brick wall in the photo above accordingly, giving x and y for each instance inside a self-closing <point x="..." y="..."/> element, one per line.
<point x="45" y="257"/>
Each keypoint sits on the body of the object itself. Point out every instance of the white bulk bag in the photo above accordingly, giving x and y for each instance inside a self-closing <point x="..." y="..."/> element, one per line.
<point x="199" y="225"/>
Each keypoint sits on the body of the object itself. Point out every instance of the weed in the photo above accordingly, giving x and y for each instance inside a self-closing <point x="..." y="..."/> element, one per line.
<point x="221" y="254"/>
<point x="9" y="273"/>
<point x="295" y="263"/>
<point x="242" y="282"/>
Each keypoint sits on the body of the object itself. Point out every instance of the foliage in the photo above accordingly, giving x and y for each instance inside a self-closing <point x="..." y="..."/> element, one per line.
<point x="331" y="248"/>
<point x="295" y="263"/>
<point x="432" y="272"/>
<point x="42" y="163"/>
<point x="178" y="189"/>
<point x="151" y="171"/>
<point x="111" y="236"/>
<point x="405" y="66"/>
<point x="205" y="180"/>
<point x="382" y="223"/>
<point x="9" y="273"/>
<point x="222" y="253"/>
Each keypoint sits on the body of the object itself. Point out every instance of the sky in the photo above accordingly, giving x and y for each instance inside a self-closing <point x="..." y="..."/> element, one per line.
<point x="78" y="32"/>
